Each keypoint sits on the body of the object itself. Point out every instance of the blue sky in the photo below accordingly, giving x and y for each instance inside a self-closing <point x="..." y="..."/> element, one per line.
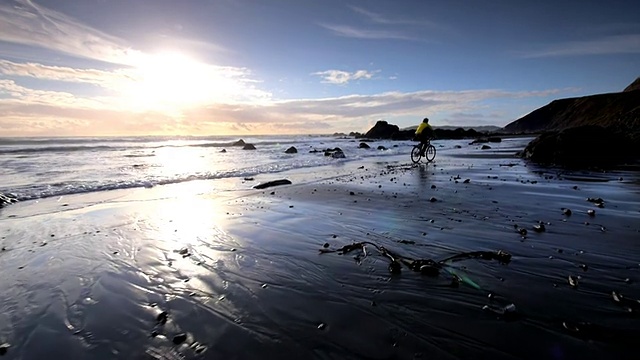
<point x="120" y="67"/>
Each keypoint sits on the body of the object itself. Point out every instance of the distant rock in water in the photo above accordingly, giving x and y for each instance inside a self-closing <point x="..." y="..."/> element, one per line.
<point x="223" y="150"/>
<point x="248" y="147"/>
<point x="580" y="147"/>
<point x="291" y="150"/>
<point x="364" y="145"/>
<point x="382" y="130"/>
<point x="273" y="183"/>
<point x="239" y="143"/>
<point x="6" y="200"/>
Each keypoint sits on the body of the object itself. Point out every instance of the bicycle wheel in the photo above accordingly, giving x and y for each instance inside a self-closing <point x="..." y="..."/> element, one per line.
<point x="431" y="153"/>
<point x="415" y="154"/>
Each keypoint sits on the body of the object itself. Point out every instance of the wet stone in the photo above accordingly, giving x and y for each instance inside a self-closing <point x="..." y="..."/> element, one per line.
<point x="4" y="348"/>
<point x="179" y="338"/>
<point x="322" y="326"/>
<point x="162" y="317"/>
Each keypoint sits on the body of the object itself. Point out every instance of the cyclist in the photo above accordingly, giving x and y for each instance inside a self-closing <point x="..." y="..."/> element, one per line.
<point x="424" y="133"/>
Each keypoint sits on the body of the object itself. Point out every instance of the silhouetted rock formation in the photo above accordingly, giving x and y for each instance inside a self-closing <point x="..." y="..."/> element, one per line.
<point x="384" y="130"/>
<point x="597" y="130"/>
<point x="579" y="147"/>
<point x="620" y="112"/>
<point x="291" y="150"/>
<point x="248" y="147"/>
<point x="239" y="143"/>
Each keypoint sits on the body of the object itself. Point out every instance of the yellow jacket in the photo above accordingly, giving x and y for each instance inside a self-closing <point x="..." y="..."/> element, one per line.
<point x="421" y="128"/>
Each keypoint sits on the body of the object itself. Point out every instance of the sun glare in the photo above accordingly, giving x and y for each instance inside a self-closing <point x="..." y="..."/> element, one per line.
<point x="171" y="82"/>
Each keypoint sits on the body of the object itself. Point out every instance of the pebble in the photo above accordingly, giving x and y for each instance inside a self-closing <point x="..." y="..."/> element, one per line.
<point x="566" y="212"/>
<point x="591" y="212"/>
<point x="433" y="199"/>
<point x="162" y="317"/>
<point x="322" y="326"/>
<point x="573" y="281"/>
<point x="179" y="338"/>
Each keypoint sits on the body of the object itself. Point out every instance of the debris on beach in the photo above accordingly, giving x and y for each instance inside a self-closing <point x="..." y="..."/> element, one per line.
<point x="428" y="267"/>
<point x="573" y="281"/>
<point x="273" y="183"/>
<point x="566" y="211"/>
<point x="591" y="212"/>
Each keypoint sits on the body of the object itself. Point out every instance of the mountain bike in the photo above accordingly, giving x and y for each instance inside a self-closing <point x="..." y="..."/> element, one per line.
<point x="425" y="150"/>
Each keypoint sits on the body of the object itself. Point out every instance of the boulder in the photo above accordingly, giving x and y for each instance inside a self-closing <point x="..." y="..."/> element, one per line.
<point x="338" y="155"/>
<point x="330" y="152"/>
<point x="223" y="150"/>
<point x="248" y="147"/>
<point x="486" y="147"/>
<point x="363" y="145"/>
<point x="238" y="143"/>
<point x="380" y="147"/>
<point x="581" y="147"/>
<point x="291" y="150"/>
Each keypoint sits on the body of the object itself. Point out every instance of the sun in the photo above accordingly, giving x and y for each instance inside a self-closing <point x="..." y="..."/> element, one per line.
<point x="170" y="82"/>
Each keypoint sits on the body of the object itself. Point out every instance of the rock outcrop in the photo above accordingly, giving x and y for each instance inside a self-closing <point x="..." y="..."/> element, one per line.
<point x="248" y="147"/>
<point x="291" y="150"/>
<point x="619" y="112"/>
<point x="591" y="131"/>
<point x="580" y="147"/>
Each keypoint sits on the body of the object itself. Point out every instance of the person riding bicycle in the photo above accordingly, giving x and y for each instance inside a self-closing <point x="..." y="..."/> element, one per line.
<point x="424" y="133"/>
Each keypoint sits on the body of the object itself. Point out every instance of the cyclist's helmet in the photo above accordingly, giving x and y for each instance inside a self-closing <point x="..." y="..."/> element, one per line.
<point x="425" y="120"/>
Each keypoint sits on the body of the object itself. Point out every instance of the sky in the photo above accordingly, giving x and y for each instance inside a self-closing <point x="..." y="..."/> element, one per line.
<point x="234" y="67"/>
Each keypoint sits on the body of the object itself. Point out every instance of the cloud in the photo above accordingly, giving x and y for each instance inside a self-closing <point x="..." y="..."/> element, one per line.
<point x="380" y="19"/>
<point x="340" y="77"/>
<point x="25" y="22"/>
<point x="71" y="115"/>
<point x="359" y="33"/>
<point x="617" y="44"/>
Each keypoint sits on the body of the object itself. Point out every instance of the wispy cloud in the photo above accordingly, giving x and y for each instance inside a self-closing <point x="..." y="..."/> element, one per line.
<point x="340" y="77"/>
<point x="360" y="33"/>
<point x="617" y="44"/>
<point x="381" y="19"/>
<point x="25" y="22"/>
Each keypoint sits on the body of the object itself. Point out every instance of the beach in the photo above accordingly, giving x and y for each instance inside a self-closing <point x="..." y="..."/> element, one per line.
<point x="213" y="268"/>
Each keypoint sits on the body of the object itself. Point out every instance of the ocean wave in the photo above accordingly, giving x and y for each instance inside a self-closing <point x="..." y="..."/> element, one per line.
<point x="42" y="191"/>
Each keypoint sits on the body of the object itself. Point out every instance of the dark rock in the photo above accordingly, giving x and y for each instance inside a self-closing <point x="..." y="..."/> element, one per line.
<point x="364" y="145"/>
<point x="273" y="183"/>
<point x="579" y="147"/>
<point x="382" y="130"/>
<point x="486" y="147"/>
<point x="6" y="200"/>
<point x="380" y="147"/>
<point x="4" y="348"/>
<point x="223" y="150"/>
<point x="162" y="317"/>
<point x="248" y="147"/>
<point x="179" y="338"/>
<point x="616" y="111"/>
<point x="239" y="143"/>
<point x="338" y="155"/>
<point x="291" y="150"/>
<point x="457" y="147"/>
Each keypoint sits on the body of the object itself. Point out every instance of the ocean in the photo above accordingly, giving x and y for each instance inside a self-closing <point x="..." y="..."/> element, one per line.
<point x="35" y="168"/>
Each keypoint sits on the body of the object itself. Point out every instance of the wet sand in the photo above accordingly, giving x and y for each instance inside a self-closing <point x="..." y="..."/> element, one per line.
<point x="217" y="269"/>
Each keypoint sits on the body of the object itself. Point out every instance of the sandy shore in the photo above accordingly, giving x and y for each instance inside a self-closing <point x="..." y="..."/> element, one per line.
<point x="216" y="269"/>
